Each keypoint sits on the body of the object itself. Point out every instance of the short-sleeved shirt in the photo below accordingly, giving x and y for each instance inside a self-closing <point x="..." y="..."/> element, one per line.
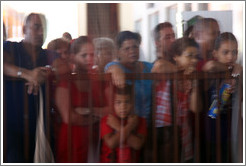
<point x="143" y="90"/>
<point x="124" y="153"/>
<point x="163" y="115"/>
<point x="17" y="116"/>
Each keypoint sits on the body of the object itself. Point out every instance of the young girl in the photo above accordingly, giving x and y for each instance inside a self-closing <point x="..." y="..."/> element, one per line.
<point x="225" y="52"/>
<point x="122" y="133"/>
<point x="185" y="54"/>
<point x="79" y="102"/>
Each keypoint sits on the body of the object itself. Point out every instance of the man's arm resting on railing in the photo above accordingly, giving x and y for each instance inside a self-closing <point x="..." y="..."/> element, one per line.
<point x="33" y="77"/>
<point x="36" y="75"/>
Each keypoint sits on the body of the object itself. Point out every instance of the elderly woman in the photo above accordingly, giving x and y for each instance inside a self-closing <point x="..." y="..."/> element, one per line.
<point x="104" y="52"/>
<point x="128" y="62"/>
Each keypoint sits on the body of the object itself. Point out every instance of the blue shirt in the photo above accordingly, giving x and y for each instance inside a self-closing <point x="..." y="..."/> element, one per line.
<point x="143" y="90"/>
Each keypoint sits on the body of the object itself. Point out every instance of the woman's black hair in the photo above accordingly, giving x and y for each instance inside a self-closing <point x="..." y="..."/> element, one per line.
<point x="224" y="37"/>
<point x="127" y="35"/>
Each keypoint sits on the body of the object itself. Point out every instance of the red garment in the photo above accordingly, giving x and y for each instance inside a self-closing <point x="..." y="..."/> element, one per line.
<point x="183" y="122"/>
<point x="123" y="154"/>
<point x="80" y="99"/>
<point x="163" y="105"/>
<point x="78" y="142"/>
<point x="200" y="64"/>
<point x="72" y="145"/>
<point x="164" y="116"/>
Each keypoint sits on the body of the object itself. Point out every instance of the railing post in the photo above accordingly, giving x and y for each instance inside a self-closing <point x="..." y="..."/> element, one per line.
<point x="218" y="127"/>
<point x="69" y="142"/>
<point x="197" y="124"/>
<point x="153" y="122"/>
<point x="90" y="140"/>
<point x="26" y="124"/>
<point x="48" y="109"/>
<point x="207" y="146"/>
<point x="5" y="138"/>
<point x="176" y="142"/>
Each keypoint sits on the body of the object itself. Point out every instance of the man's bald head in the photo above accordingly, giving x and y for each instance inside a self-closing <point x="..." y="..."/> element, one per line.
<point x="34" y="29"/>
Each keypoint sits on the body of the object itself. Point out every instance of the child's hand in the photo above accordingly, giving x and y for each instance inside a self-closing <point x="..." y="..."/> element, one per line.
<point x="132" y="121"/>
<point x="113" y="122"/>
<point x="237" y="70"/>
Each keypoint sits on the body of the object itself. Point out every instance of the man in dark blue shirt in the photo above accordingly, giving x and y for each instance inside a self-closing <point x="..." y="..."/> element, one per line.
<point x="25" y="60"/>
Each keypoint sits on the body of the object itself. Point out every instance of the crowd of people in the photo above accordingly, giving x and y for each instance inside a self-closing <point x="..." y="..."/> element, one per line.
<point x="120" y="120"/>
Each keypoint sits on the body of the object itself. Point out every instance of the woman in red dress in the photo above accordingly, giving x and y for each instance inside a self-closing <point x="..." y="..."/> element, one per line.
<point x="80" y="103"/>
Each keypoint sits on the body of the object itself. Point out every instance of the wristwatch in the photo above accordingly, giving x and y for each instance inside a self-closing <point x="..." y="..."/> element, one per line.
<point x="19" y="73"/>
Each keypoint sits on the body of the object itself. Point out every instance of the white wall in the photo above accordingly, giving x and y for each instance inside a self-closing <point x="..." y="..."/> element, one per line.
<point x="224" y="18"/>
<point x="141" y="12"/>
<point x="126" y="21"/>
<point x="232" y="21"/>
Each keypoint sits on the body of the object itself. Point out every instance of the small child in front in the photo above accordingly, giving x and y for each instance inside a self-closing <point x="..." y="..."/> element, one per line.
<point x="122" y="133"/>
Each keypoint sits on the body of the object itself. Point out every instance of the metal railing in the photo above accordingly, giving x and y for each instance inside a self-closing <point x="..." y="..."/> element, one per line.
<point x="51" y="110"/>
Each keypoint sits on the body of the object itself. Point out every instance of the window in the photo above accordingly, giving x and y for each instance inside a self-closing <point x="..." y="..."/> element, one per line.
<point x="138" y="26"/>
<point x="171" y="12"/>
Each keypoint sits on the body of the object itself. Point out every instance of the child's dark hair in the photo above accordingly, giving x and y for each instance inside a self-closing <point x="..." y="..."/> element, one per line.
<point x="127" y="90"/>
<point x="224" y="37"/>
<point x="127" y="35"/>
<point x="179" y="45"/>
<point x="77" y="43"/>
